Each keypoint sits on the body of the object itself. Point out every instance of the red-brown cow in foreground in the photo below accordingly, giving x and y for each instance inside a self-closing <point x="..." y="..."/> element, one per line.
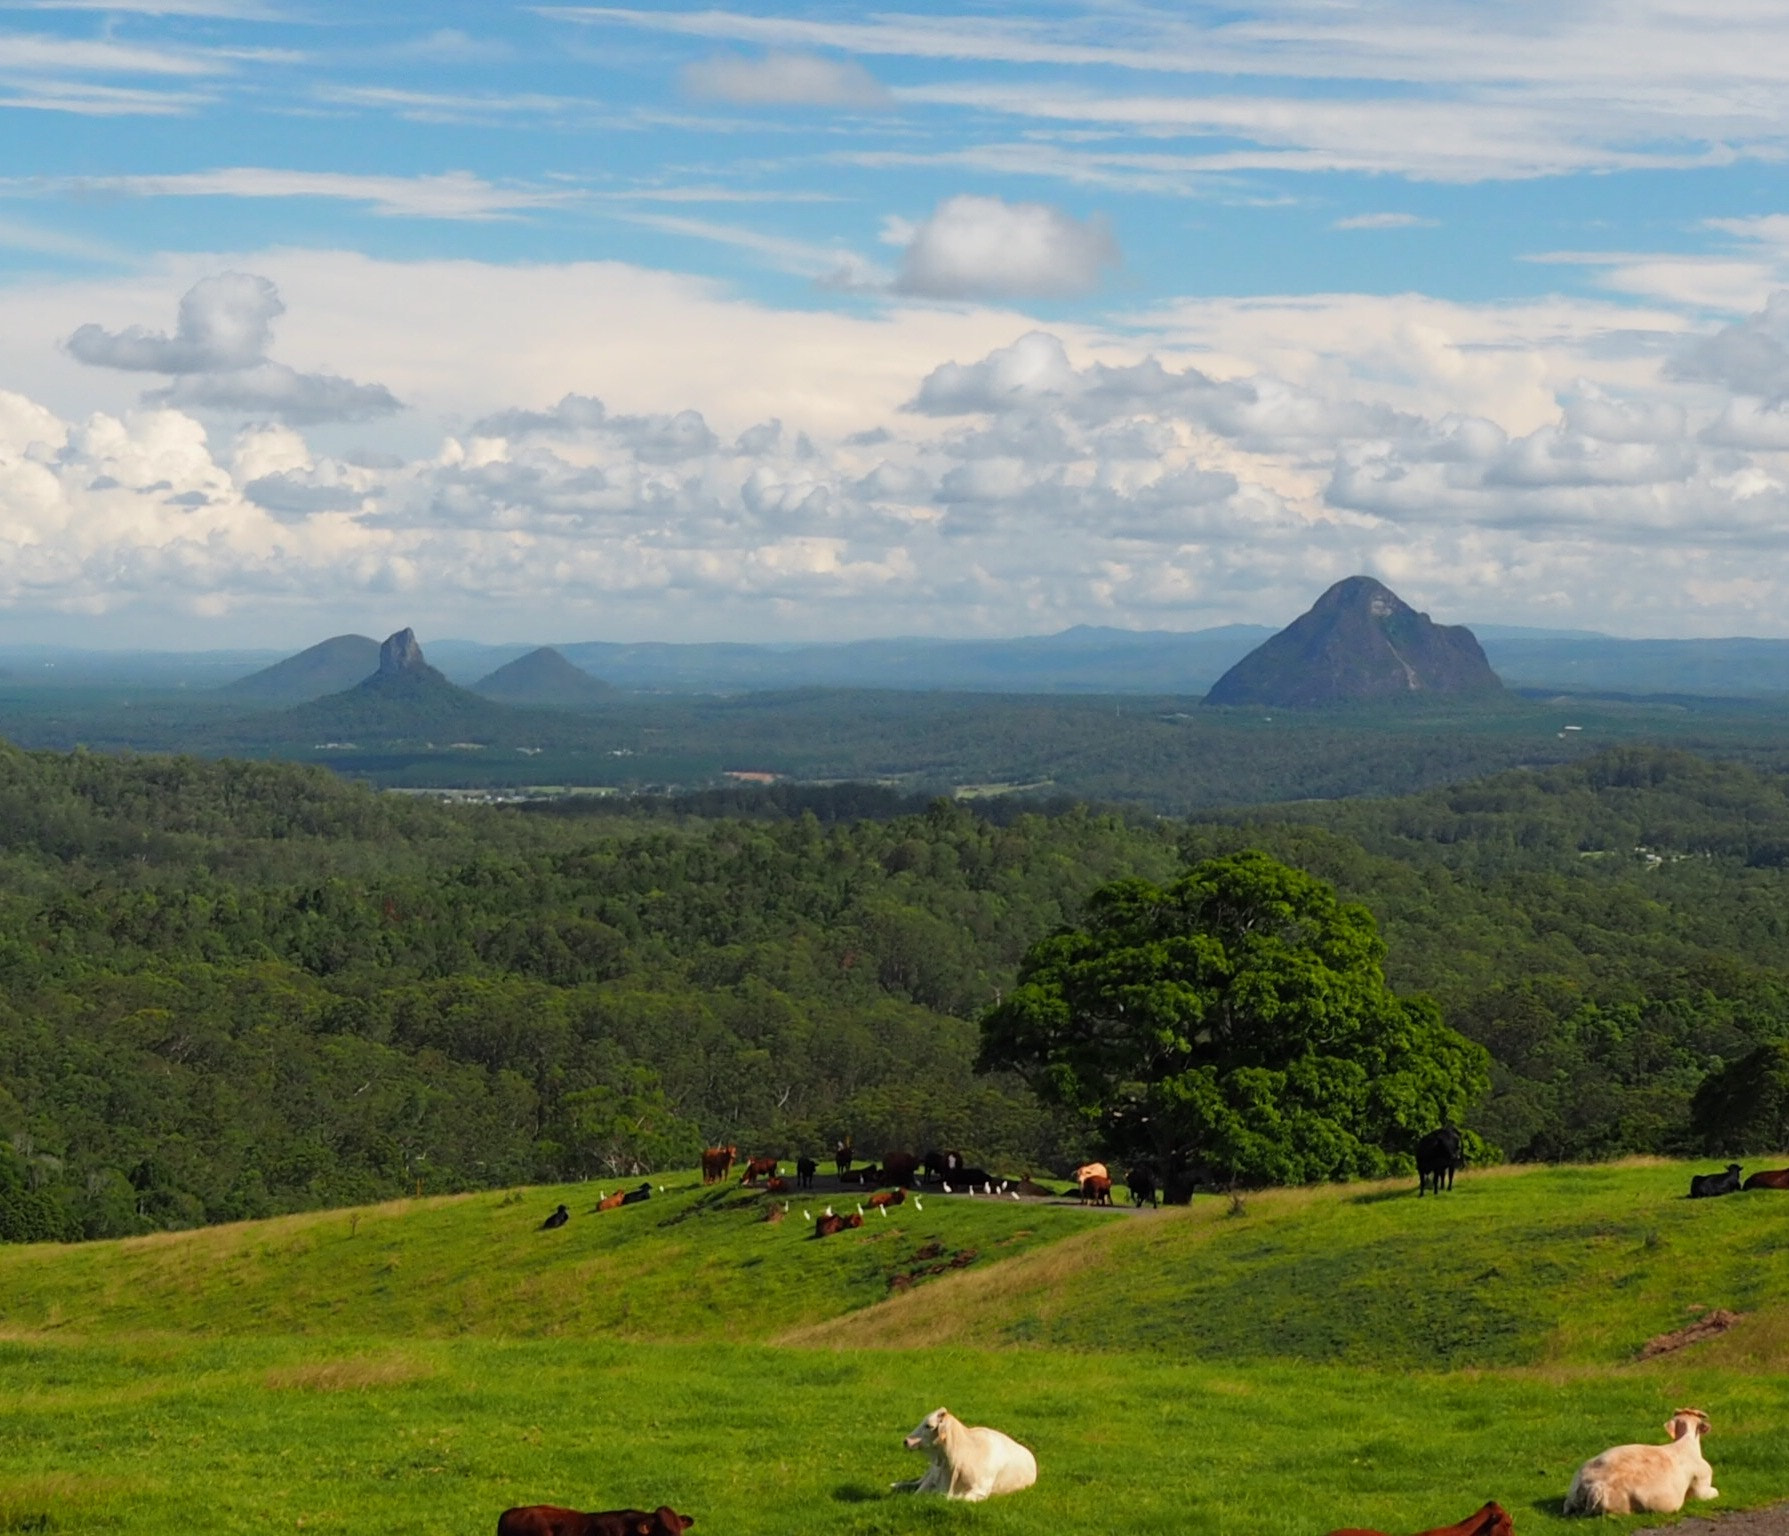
<point x="887" y="1197"/>
<point x="1769" y="1178"/>
<point x="1492" y="1520"/>
<point x="756" y="1166"/>
<point x="1097" y="1189"/>
<point x="717" y="1163"/>
<point x="551" y="1520"/>
<point x="611" y="1202"/>
<point x="829" y="1224"/>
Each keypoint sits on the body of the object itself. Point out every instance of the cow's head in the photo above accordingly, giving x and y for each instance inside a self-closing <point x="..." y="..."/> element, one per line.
<point x="926" y="1433"/>
<point x="1685" y="1421"/>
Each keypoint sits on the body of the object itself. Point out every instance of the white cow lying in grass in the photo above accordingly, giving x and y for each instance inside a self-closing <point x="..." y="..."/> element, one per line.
<point x="967" y="1462"/>
<point x="1647" y="1479"/>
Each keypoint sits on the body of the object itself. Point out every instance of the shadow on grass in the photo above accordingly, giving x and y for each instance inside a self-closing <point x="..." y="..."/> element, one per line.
<point x="857" y="1493"/>
<point x="1380" y="1196"/>
<point x="1546" y="1506"/>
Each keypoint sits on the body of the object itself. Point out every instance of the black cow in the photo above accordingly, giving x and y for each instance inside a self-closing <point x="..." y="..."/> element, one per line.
<point x="805" y="1169"/>
<point x="1438" y="1155"/>
<point x="1141" y="1183"/>
<point x="940" y="1166"/>
<point x="635" y="1196"/>
<point x="1704" y="1185"/>
<point x="557" y="1219"/>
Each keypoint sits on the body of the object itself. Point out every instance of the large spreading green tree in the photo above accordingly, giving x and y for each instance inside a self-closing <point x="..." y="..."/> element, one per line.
<point x="1235" y="1024"/>
<point x="1743" y="1108"/>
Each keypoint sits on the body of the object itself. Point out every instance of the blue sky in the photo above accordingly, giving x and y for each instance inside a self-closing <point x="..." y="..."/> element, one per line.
<point x="558" y="322"/>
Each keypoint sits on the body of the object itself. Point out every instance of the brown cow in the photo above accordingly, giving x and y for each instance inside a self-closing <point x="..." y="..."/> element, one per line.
<point x="755" y="1166"/>
<point x="612" y="1202"/>
<point x="717" y="1163"/>
<point x="776" y="1186"/>
<point x="1492" y="1520"/>
<point x="551" y="1520"/>
<point x="1769" y="1178"/>
<point x="829" y="1224"/>
<point x="842" y="1155"/>
<point x="887" y="1197"/>
<point x="1097" y="1188"/>
<point x="899" y="1168"/>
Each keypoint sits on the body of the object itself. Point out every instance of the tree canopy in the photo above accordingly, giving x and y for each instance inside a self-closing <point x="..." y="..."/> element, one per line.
<point x="1236" y="1022"/>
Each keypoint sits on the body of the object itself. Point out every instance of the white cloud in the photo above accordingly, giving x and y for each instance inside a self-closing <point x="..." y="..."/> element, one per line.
<point x="1215" y="460"/>
<point x="452" y="195"/>
<point x="217" y="356"/>
<point x="984" y="247"/>
<point x="1598" y="86"/>
<point x="225" y="322"/>
<point x="280" y="391"/>
<point x="784" y="80"/>
<point x="1385" y="221"/>
<point x="1750" y="357"/>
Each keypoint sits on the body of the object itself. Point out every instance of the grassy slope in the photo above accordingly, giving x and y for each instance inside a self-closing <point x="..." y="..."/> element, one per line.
<point x="1540" y="1266"/>
<point x="422" y="1367"/>
<point x="691" y="1264"/>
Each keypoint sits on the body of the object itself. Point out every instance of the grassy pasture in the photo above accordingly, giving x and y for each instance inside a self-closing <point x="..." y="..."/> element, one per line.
<point x="289" y="1376"/>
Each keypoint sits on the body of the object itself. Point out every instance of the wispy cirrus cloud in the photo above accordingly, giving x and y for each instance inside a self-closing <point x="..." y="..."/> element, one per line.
<point x="1594" y="87"/>
<point x="1385" y="221"/>
<point x="785" y="80"/>
<point x="225" y="10"/>
<point x="451" y="195"/>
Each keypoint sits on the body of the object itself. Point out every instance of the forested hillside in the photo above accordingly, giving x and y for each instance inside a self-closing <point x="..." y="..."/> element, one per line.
<point x="228" y="989"/>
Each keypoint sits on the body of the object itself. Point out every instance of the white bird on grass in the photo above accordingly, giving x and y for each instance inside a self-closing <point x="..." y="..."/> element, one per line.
<point x="918" y="1204"/>
<point x="807" y="1215"/>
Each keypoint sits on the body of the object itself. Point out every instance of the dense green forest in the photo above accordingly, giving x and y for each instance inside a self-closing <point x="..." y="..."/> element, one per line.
<point x="231" y="988"/>
<point x="1171" y="754"/>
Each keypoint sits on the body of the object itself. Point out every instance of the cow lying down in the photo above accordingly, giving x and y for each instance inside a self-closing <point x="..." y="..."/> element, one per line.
<point x="551" y="1520"/>
<point x="1647" y="1479"/>
<point x="967" y="1462"/>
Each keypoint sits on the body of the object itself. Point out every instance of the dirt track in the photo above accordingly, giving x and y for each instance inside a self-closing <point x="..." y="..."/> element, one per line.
<point x="1771" y="1521"/>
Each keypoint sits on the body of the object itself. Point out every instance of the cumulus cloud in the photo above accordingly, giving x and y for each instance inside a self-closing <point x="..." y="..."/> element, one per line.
<point x="985" y="247"/>
<point x="217" y="356"/>
<point x="273" y="389"/>
<point x="659" y="439"/>
<point x="784" y="80"/>
<point x="224" y="322"/>
<point x="1749" y="357"/>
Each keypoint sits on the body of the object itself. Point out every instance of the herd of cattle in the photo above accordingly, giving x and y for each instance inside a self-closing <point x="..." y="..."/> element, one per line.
<point x="1439" y="1156"/>
<point x="972" y="1463"/>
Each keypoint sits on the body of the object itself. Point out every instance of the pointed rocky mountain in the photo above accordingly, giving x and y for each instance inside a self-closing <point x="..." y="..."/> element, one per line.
<point x="326" y="668"/>
<point x="544" y="678"/>
<point x="1360" y="642"/>
<point x="405" y="699"/>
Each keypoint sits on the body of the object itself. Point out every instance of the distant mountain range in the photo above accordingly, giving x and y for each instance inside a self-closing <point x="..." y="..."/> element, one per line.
<point x="1080" y="660"/>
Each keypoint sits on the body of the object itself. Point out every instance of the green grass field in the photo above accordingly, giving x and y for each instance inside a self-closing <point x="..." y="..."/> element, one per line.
<point x="1345" y="1356"/>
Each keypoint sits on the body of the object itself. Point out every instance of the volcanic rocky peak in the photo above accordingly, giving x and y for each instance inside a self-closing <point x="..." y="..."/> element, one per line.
<point x="401" y="653"/>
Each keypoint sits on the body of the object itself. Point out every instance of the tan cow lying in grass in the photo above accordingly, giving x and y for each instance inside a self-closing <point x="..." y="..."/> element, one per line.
<point x="967" y="1462"/>
<point x="1647" y="1479"/>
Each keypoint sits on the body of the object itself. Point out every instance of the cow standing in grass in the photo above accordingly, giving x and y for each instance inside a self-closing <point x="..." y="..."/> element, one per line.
<point x="1438" y="1156"/>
